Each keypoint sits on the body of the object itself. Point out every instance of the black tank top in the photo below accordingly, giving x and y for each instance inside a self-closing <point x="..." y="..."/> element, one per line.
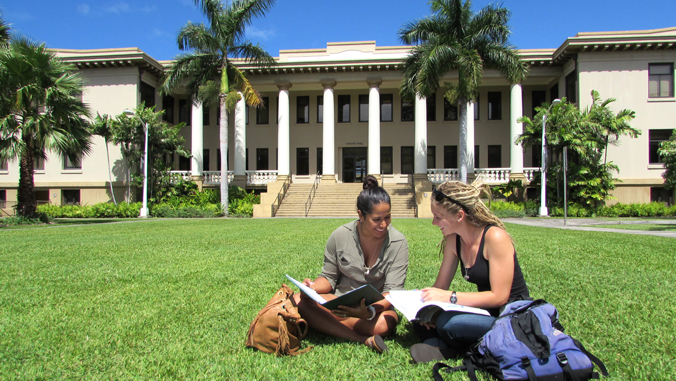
<point x="479" y="274"/>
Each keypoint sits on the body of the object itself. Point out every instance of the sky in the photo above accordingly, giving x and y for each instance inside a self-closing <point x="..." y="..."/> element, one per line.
<point x="152" y="25"/>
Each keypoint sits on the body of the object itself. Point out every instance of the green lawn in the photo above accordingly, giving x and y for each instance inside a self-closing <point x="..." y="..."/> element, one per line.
<point x="173" y="299"/>
<point x="630" y="226"/>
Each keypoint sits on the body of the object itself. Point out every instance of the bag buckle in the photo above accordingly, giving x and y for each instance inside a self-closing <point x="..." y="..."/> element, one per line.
<point x="561" y="357"/>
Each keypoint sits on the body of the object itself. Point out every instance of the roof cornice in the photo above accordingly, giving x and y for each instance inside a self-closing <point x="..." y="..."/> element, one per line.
<point x="106" y="58"/>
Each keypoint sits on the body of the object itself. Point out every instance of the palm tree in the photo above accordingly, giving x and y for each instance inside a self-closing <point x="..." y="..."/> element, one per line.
<point x="212" y="48"/>
<point x="4" y="33"/>
<point x="40" y="110"/>
<point x="456" y="39"/>
<point x="102" y="127"/>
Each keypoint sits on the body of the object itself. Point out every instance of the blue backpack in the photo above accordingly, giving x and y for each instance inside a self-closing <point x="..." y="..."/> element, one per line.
<point x="527" y="342"/>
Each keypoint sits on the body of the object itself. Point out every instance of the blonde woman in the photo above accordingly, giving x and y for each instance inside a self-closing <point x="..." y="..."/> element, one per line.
<point x="476" y="240"/>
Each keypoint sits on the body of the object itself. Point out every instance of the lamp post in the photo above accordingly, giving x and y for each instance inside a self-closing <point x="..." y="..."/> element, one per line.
<point x="144" y="208"/>
<point x="543" y="169"/>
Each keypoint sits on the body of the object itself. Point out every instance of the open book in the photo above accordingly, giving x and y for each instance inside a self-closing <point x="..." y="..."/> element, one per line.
<point x="413" y="308"/>
<point x="350" y="299"/>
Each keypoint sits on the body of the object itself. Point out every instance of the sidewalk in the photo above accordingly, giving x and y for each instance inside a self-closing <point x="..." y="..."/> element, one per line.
<point x="575" y="224"/>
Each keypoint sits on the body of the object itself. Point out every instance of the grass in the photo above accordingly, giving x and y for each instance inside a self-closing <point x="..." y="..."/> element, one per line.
<point x="173" y="299"/>
<point x="638" y="226"/>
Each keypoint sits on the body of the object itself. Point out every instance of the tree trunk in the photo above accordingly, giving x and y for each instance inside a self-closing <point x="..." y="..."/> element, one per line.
<point x="223" y="127"/>
<point x="462" y="118"/>
<point x="26" y="203"/>
<point x="110" y="174"/>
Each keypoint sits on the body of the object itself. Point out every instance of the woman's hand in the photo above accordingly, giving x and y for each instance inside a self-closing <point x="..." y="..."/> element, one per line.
<point x="360" y="312"/>
<point x="308" y="282"/>
<point x="435" y="294"/>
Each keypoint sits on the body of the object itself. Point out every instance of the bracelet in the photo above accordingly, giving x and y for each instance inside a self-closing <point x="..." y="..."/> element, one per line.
<point x="373" y="312"/>
<point x="454" y="298"/>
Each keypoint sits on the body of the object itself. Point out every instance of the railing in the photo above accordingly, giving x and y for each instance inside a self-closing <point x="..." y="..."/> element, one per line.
<point x="493" y="175"/>
<point x="214" y="177"/>
<point x="530" y="173"/>
<point x="280" y="196"/>
<point x="438" y="176"/>
<point x="311" y="196"/>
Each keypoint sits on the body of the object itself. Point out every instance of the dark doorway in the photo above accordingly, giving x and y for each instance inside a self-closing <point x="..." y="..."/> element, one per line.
<point x="354" y="164"/>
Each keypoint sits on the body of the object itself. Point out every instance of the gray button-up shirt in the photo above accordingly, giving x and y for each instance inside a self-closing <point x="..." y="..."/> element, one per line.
<point x="344" y="261"/>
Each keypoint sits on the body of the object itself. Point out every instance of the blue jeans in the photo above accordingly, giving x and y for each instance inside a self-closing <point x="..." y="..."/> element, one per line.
<point x="455" y="330"/>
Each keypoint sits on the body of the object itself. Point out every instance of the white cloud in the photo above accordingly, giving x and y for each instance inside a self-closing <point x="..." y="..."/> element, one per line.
<point x="83" y="9"/>
<point x="118" y="8"/>
<point x="259" y="33"/>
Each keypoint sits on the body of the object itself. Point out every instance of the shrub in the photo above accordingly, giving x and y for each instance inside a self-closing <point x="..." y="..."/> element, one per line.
<point x="167" y="211"/>
<point x="102" y="210"/>
<point x="21" y="220"/>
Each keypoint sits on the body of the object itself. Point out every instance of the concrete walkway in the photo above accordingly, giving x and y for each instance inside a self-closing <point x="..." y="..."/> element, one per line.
<point x="575" y="224"/>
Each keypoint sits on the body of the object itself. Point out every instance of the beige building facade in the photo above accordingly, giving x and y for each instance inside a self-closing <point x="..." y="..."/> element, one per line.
<point x="337" y="112"/>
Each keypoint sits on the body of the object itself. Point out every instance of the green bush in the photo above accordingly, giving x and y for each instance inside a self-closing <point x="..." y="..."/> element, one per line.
<point x="20" y="220"/>
<point x="167" y="211"/>
<point x="653" y="209"/>
<point x="102" y="210"/>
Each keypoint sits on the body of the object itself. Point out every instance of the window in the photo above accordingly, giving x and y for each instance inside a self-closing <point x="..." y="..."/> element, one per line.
<point x="661" y="80"/>
<point x="554" y="93"/>
<point x="655" y="137"/>
<point x="72" y="164"/>
<point x="537" y="156"/>
<point x="343" y="109"/>
<point x="494" y="156"/>
<point x="262" y="159"/>
<point x="363" y="108"/>
<point x="450" y="110"/>
<point x="184" y="110"/>
<point x="168" y="104"/>
<point x="386" y="101"/>
<point x="494" y="105"/>
<point x="431" y="157"/>
<point x="302" y="161"/>
<point x="406" y="160"/>
<point x="538" y="97"/>
<point x="450" y="156"/>
<point x="263" y="113"/>
<point x="657" y="194"/>
<point x="571" y="87"/>
<point x="39" y="164"/>
<point x="3" y="166"/>
<point x="320" y="160"/>
<point x="246" y="159"/>
<point x="476" y="109"/>
<point x="320" y="109"/>
<point x="205" y="116"/>
<point x="386" y="166"/>
<point x="147" y="94"/>
<point x="476" y="157"/>
<point x="3" y="199"/>
<point x="407" y="111"/>
<point x="432" y="107"/>
<point x="184" y="163"/>
<point x="205" y="160"/>
<point x="246" y="114"/>
<point x="70" y="196"/>
<point x="302" y="109"/>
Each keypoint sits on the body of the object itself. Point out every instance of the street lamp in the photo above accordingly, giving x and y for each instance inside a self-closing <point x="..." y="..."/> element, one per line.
<point x="543" y="169"/>
<point x="144" y="209"/>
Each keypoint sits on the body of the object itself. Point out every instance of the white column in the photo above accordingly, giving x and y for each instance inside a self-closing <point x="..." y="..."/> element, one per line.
<point x="240" y="137"/>
<point x="197" y="139"/>
<point x="329" y="138"/>
<point x="420" y="135"/>
<point x="374" y="127"/>
<point x="283" y="149"/>
<point x="515" y="128"/>
<point x="470" y="137"/>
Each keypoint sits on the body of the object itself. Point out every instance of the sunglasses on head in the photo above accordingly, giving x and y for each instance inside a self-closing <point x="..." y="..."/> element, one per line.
<point x="439" y="197"/>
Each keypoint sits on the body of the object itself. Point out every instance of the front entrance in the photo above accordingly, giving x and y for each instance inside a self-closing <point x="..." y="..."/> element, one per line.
<point x="354" y="164"/>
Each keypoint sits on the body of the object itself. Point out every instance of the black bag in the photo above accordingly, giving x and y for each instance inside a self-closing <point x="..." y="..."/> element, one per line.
<point x="527" y="342"/>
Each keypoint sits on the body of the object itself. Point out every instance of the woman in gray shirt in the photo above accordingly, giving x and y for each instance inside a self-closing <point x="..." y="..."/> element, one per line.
<point x="366" y="251"/>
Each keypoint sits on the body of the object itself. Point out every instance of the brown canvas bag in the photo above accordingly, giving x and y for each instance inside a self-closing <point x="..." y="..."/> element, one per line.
<point x="278" y="327"/>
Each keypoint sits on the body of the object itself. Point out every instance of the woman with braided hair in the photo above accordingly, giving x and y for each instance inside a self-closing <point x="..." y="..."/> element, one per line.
<point x="476" y="240"/>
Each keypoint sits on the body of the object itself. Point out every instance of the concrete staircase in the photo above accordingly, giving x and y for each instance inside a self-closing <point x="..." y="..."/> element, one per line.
<point x="340" y="200"/>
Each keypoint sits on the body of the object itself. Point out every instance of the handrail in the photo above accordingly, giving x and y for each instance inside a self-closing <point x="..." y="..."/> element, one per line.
<point x="280" y="195"/>
<point x="311" y="196"/>
<point x="415" y="201"/>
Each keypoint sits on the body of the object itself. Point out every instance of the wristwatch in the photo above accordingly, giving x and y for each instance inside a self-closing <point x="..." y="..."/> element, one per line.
<point x="454" y="297"/>
<point x="373" y="312"/>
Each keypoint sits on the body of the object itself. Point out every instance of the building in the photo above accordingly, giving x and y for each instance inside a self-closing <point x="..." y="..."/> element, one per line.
<point x="337" y="111"/>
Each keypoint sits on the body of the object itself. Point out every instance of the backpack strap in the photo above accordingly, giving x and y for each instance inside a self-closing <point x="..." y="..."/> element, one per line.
<point x="525" y="362"/>
<point x="468" y="366"/>
<point x="594" y="359"/>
